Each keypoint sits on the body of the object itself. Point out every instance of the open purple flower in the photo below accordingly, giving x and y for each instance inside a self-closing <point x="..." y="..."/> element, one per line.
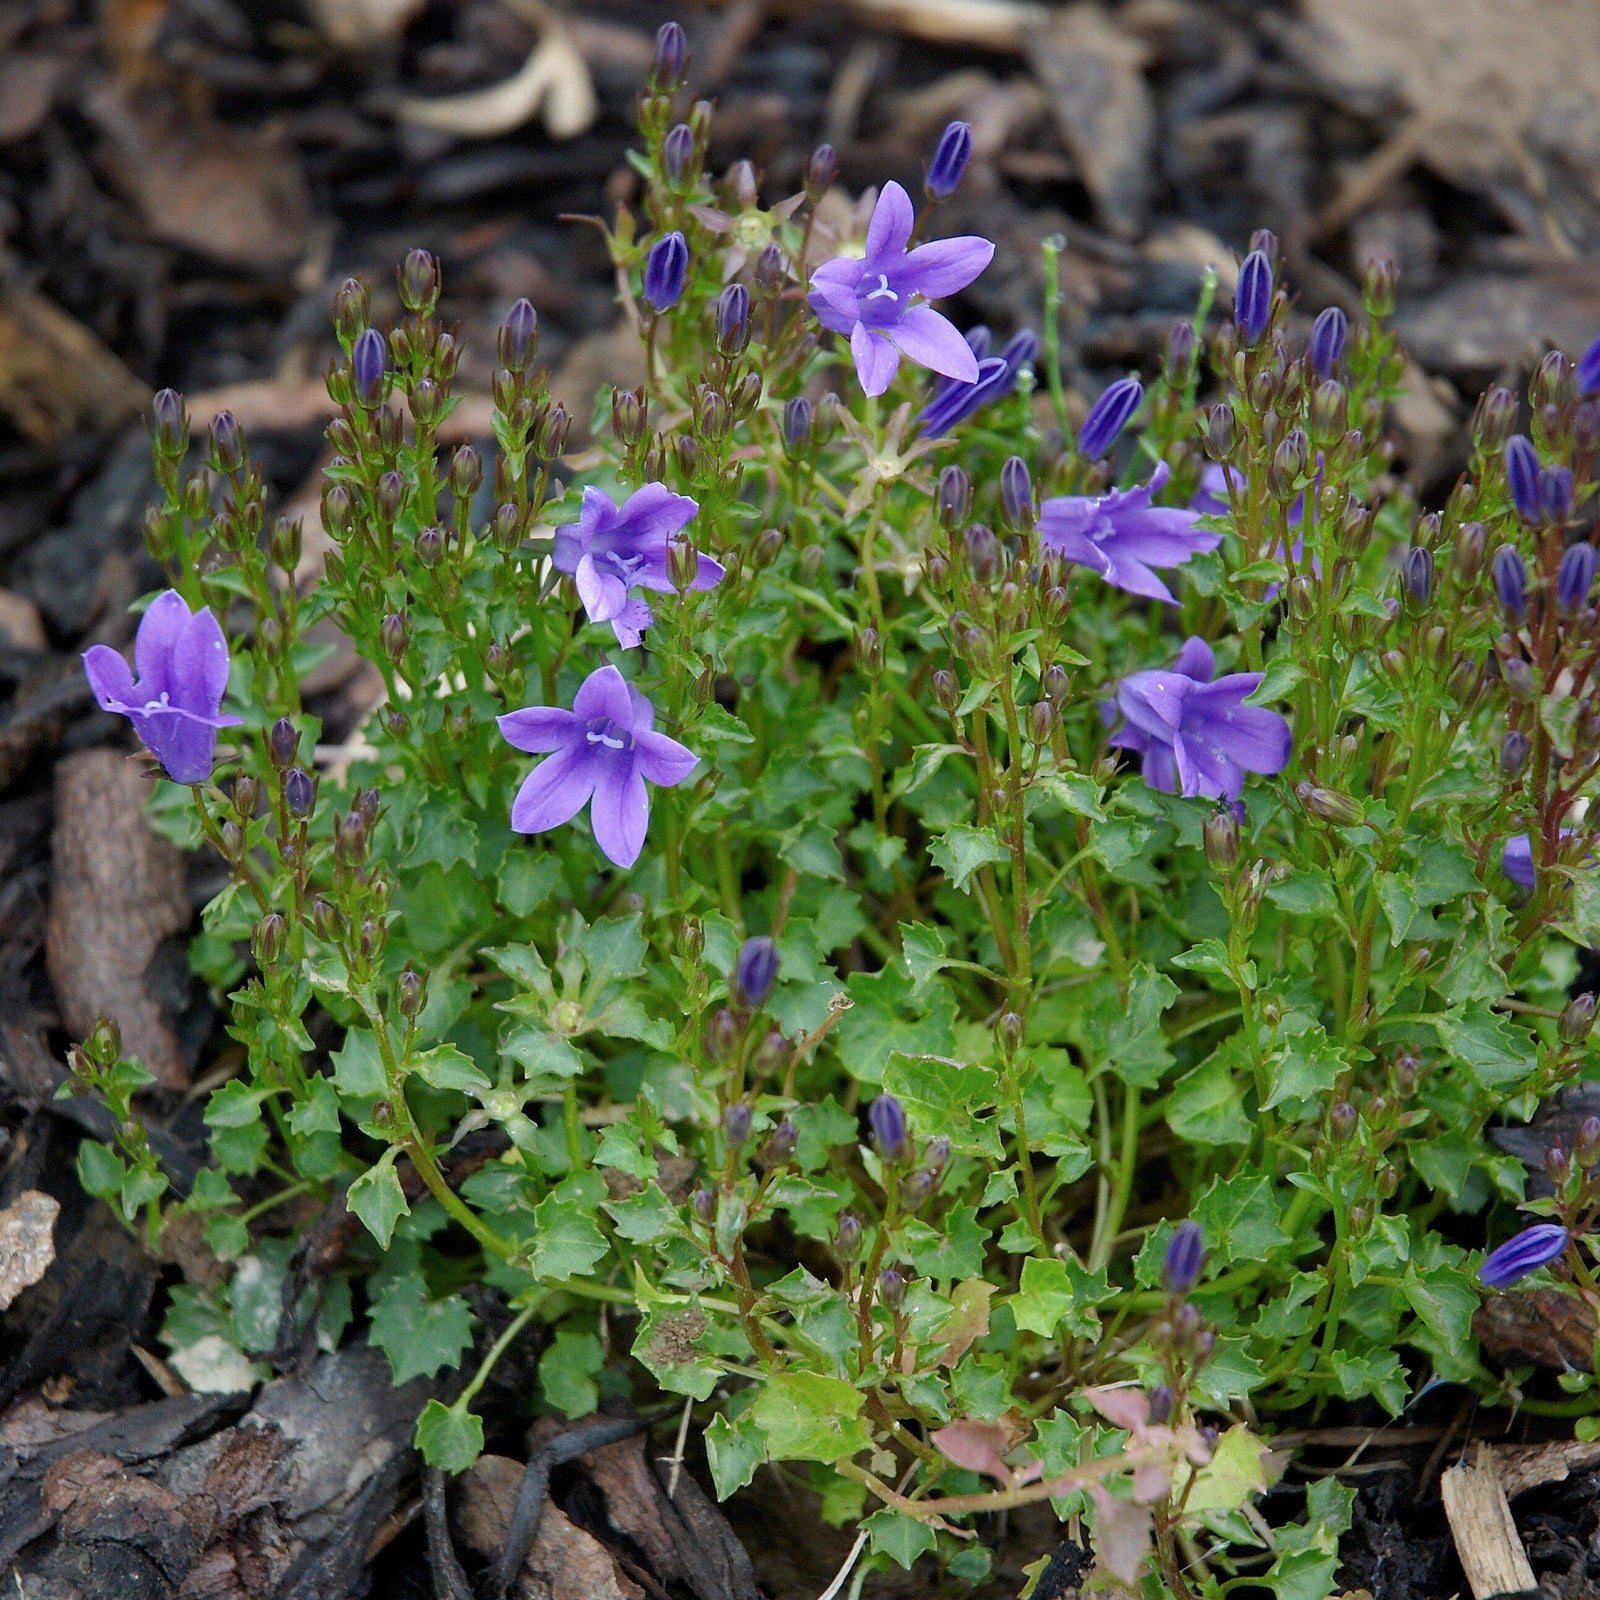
<point x="612" y="549"/>
<point x="954" y="401"/>
<point x="175" y="705"/>
<point x="1523" y="1253"/>
<point x="1516" y="861"/>
<point x="601" y="752"/>
<point x="1198" y="737"/>
<point x="876" y="298"/>
<point x="1122" y="535"/>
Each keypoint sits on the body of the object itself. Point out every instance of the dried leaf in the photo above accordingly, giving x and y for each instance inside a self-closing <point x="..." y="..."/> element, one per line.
<point x="27" y="1242"/>
<point x="356" y="24"/>
<point x="982" y="1447"/>
<point x="55" y="375"/>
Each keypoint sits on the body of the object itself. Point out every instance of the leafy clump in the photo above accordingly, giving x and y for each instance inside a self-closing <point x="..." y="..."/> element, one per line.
<point x="979" y="951"/>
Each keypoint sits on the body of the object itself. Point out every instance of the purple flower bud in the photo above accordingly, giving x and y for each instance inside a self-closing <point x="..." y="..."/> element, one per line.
<point x="227" y="443"/>
<point x="672" y="57"/>
<point x="1511" y="582"/>
<point x="1418" y="575"/>
<point x="1522" y="474"/>
<point x="892" y="1287"/>
<point x="983" y="551"/>
<point x="299" y="792"/>
<point x="733" y="319"/>
<point x="955" y="497"/>
<point x="1555" y="494"/>
<point x="936" y="1155"/>
<point x="1252" y="299"/>
<point x="1161" y="1400"/>
<point x="888" y="1123"/>
<point x="1526" y="1252"/>
<point x="736" y="1124"/>
<point x="677" y="150"/>
<point x="1575" y="577"/>
<point x="1108" y="416"/>
<point x="1577" y="1018"/>
<point x="1587" y="371"/>
<point x="419" y="281"/>
<point x="1016" y="493"/>
<point x="703" y="1203"/>
<point x="950" y="160"/>
<point x="755" y="972"/>
<point x="518" y="337"/>
<point x="1185" y="1256"/>
<point x="1519" y="678"/>
<point x="821" y="170"/>
<point x="781" y="1144"/>
<point x="1342" y="1122"/>
<point x="368" y="360"/>
<point x="1327" y="341"/>
<point x="664" y="268"/>
<point x="169" y="423"/>
<point x="797" y="424"/>
<point x="1514" y="750"/>
<point x="847" y="1236"/>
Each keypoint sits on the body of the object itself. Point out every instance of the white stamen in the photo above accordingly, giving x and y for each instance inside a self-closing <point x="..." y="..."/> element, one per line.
<point x="607" y="741"/>
<point x="883" y="290"/>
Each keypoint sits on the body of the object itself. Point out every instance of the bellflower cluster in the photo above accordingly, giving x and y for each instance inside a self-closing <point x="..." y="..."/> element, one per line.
<point x="877" y="299"/>
<point x="175" y="703"/>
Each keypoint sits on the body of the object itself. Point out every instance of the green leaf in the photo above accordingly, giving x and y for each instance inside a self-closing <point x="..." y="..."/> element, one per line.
<point x="812" y="850"/>
<point x="899" y="1537"/>
<point x="961" y="850"/>
<point x="644" y="1217"/>
<point x="613" y="950"/>
<point x="566" y="1241"/>
<point x="925" y="952"/>
<point x="1308" y="892"/>
<point x="358" y="1067"/>
<point x="1445" y="1300"/>
<point x="567" y="1371"/>
<point x="1044" y="1298"/>
<point x="419" y="1335"/>
<point x="733" y="1452"/>
<point x="526" y="879"/>
<point x="884" y="1017"/>
<point x="1482" y="1040"/>
<point x="807" y="1417"/>
<point x="1235" y="1472"/>
<point x="378" y="1200"/>
<point x="942" y="1096"/>
<point x="318" y="1112"/>
<point x="444" y="837"/>
<point x="445" y="1067"/>
<point x="1239" y="1218"/>
<point x="1206" y="1107"/>
<point x="449" y="1437"/>
<point x="1127" y="1037"/>
<point x="100" y="1169"/>
<point x="1306" y="1065"/>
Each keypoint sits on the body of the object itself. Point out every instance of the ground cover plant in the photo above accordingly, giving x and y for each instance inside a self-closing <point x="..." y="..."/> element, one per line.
<point x="974" y="944"/>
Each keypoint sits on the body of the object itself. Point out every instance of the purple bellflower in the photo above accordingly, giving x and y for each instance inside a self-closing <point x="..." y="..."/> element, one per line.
<point x="1587" y="371"/>
<point x="1523" y="1253"/>
<point x="175" y="704"/>
<point x="1517" y="860"/>
<point x="612" y="549"/>
<point x="954" y="401"/>
<point x="1122" y="535"/>
<point x="664" y="270"/>
<point x="601" y="752"/>
<point x="874" y="298"/>
<point x="1522" y="475"/>
<point x="1186" y="1254"/>
<point x="1198" y="737"/>
<point x="755" y="971"/>
<point x="1252" y="298"/>
<point x="950" y="160"/>
<point x="1108" y="416"/>
<point x="887" y="1119"/>
<point x="1327" y="341"/>
<point x="1575" y="577"/>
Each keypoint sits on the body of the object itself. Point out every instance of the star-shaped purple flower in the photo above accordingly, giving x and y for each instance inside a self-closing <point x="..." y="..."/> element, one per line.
<point x="611" y="549"/>
<point x="1122" y="535"/>
<point x="601" y="752"/>
<point x="874" y="298"/>
<point x="1198" y="737"/>
<point x="175" y="705"/>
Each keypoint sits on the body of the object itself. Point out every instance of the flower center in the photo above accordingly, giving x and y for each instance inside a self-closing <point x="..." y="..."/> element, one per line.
<point x="156" y="705"/>
<point x="604" y="732"/>
<point x="883" y="291"/>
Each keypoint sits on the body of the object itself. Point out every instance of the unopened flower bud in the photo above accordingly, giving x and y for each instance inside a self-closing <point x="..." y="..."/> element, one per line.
<point x="1555" y="495"/>
<point x="822" y="167"/>
<point x="419" y="282"/>
<point x="1288" y="465"/>
<point x="628" y="418"/>
<point x="703" y="1203"/>
<point x="227" y="443"/>
<point x="887" y="1121"/>
<point x="1511" y="583"/>
<point x="755" y="972"/>
<point x="722" y="1034"/>
<point x="1577" y="1019"/>
<point x="1221" y="431"/>
<point x="955" y="497"/>
<point x="169" y="424"/>
<point x="1341" y="810"/>
<point x="369" y="360"/>
<point x="299" y="792"/>
<point x="518" y="338"/>
<point x="1180" y="1270"/>
<point x="797" y="416"/>
<point x="246" y="796"/>
<point x="352" y="305"/>
<point x="671" y="63"/>
<point x="1417" y="576"/>
<point x="1042" y="720"/>
<point x="1252" y="300"/>
<point x="983" y="552"/>
<point x="1222" y="841"/>
<point x="950" y="158"/>
<point x="411" y="992"/>
<point x="1522" y="475"/>
<point x="233" y="840"/>
<point x="1009" y="1031"/>
<point x="1180" y="354"/>
<point x="1327" y="341"/>
<point x="1330" y="412"/>
<point x="915" y="1188"/>
<point x="1378" y="285"/>
<point x="736" y="1125"/>
<point x="1109" y="415"/>
<point x="946" y="691"/>
<point x="270" y="936"/>
<point x="664" y="270"/>
<point x="350" y="839"/>
<point x="282" y="742"/>
<point x="1514" y="750"/>
<point x="677" y="151"/>
<point x="869" y="651"/>
<point x="1342" y="1121"/>
<point x="1160" y="1405"/>
<point x="1586" y="1146"/>
<point x="683" y="564"/>
<point x="1519" y="678"/>
<point x="733" y="319"/>
<point x="1016" y="493"/>
<point x="847" y="1236"/>
<point x="395" y="633"/>
<point x="892" y="1287"/>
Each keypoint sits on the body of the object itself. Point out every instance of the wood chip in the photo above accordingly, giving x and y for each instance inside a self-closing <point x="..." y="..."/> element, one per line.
<point x="1485" y="1535"/>
<point x="56" y="377"/>
<point x="117" y="890"/>
<point x="1522" y="1467"/>
<point x="27" y="1242"/>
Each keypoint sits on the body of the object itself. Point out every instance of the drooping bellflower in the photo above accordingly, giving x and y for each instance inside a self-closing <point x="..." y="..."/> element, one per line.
<point x="1198" y="737"/>
<point x="877" y="298"/>
<point x="1108" y="416"/>
<point x="954" y="401"/>
<point x="1180" y="1270"/>
<point x="664" y="270"/>
<point x="1523" y="1253"/>
<point x="1517" y="859"/>
<point x="175" y="703"/>
<point x="600" y="754"/>
<point x="613" y="549"/>
<point x="950" y="159"/>
<point x="1122" y="535"/>
<point x="755" y="971"/>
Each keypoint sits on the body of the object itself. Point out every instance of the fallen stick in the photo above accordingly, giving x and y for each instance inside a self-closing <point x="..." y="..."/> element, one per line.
<point x="1486" y="1537"/>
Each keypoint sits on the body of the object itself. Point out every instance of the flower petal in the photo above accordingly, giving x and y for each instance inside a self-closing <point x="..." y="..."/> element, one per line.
<point x="1133" y="576"/>
<point x="653" y="513"/>
<point x="945" y="266"/>
<point x="199" y="665"/>
<point x="555" y="791"/>
<point x="1154" y="701"/>
<point x="876" y="359"/>
<point x="630" y="622"/>
<point x="1196" y="660"/>
<point x="620" y="813"/>
<point x="185" y="746"/>
<point x="892" y="221"/>
<point x="604" y="693"/>
<point x="159" y="630"/>
<point x="539" y="729"/>
<point x="935" y="342"/>
<point x="110" y="678"/>
<point x="1160" y="768"/>
<point x="663" y="761"/>
<point x="603" y="593"/>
